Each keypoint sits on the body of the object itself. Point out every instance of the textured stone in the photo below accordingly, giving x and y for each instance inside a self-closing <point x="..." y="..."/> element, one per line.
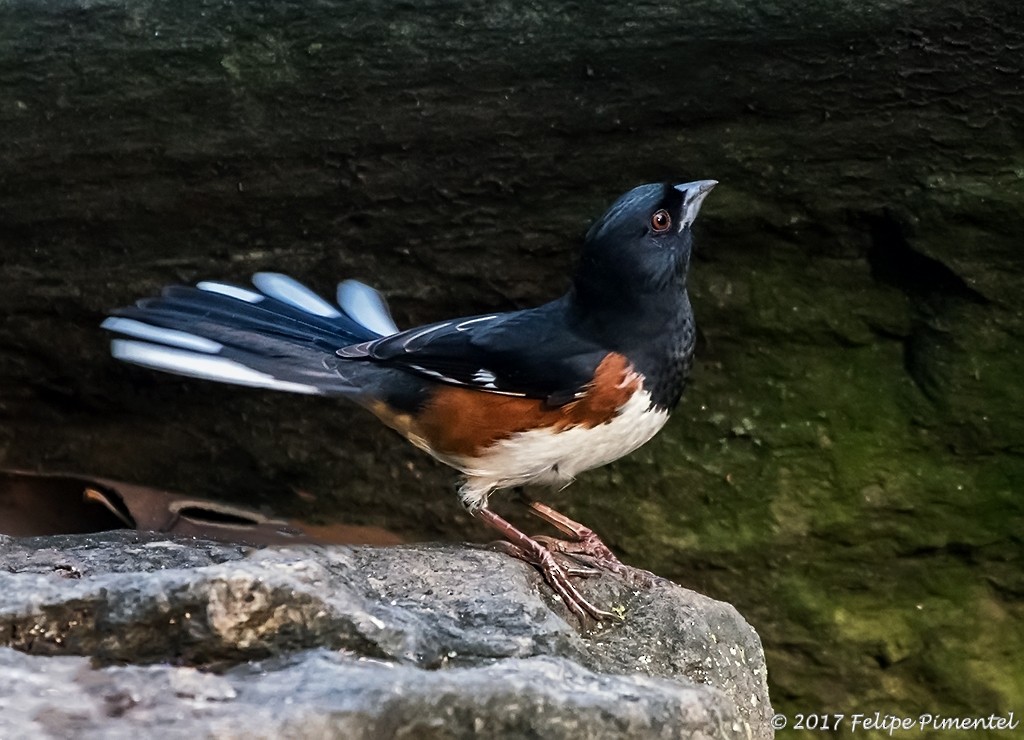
<point x="358" y="642"/>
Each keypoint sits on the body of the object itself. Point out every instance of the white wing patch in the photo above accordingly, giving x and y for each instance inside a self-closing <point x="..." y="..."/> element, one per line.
<point x="466" y="324"/>
<point x="295" y="294"/>
<point x="407" y="343"/>
<point x="481" y="380"/>
<point x="366" y="307"/>
<point x="203" y="366"/>
<point x="431" y="373"/>
<point x="485" y="377"/>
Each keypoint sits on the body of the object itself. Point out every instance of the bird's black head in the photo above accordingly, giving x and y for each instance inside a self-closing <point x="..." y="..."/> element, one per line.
<point x="642" y="244"/>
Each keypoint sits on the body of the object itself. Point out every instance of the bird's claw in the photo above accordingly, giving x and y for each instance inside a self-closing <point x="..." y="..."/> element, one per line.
<point x="524" y="547"/>
<point x="590" y="547"/>
<point x="557" y="576"/>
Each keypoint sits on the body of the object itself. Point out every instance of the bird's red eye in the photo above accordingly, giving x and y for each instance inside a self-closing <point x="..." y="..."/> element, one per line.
<point x="661" y="221"/>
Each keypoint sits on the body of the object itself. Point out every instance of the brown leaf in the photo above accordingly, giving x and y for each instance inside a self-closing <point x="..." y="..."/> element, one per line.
<point x="34" y="504"/>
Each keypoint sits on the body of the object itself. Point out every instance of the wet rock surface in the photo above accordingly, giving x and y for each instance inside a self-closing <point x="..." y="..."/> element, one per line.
<point x="121" y="633"/>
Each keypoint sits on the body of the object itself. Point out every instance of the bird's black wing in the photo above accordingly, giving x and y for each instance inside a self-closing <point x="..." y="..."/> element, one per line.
<point x="532" y="353"/>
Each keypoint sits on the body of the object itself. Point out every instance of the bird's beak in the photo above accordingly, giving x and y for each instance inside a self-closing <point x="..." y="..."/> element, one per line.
<point x="694" y="194"/>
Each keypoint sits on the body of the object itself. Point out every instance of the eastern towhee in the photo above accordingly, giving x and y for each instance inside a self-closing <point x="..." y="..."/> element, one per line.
<point x="509" y="399"/>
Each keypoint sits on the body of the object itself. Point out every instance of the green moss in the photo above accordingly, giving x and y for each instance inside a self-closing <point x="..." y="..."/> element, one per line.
<point x="867" y="524"/>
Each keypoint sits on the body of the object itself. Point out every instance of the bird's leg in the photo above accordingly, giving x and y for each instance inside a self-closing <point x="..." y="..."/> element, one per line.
<point x="582" y="539"/>
<point x="536" y="554"/>
<point x="585" y="542"/>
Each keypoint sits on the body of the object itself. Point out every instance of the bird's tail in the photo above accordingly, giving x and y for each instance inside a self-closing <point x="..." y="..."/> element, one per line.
<point x="281" y="336"/>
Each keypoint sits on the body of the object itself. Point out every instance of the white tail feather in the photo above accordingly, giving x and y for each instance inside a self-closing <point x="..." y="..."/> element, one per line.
<point x="172" y="337"/>
<point x="198" y="365"/>
<point x="295" y="294"/>
<point x="366" y="307"/>
<point x="231" y="291"/>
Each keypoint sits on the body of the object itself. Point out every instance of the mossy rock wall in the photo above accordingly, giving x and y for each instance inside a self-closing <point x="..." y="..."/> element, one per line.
<point x="847" y="463"/>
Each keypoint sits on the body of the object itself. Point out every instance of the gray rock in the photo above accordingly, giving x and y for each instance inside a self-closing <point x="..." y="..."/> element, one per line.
<point x="425" y="641"/>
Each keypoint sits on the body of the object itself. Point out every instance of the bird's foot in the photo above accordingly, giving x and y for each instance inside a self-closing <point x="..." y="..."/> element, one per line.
<point x="555" y="574"/>
<point x="591" y="548"/>
<point x="584" y="545"/>
<point x="582" y="539"/>
<point x="572" y="567"/>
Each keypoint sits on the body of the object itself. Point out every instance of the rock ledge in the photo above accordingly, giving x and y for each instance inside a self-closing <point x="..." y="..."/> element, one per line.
<point x="417" y="641"/>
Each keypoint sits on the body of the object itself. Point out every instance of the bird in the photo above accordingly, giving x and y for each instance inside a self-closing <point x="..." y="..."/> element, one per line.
<point x="531" y="397"/>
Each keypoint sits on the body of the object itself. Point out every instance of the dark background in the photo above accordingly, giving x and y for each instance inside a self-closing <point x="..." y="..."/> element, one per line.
<point x="846" y="466"/>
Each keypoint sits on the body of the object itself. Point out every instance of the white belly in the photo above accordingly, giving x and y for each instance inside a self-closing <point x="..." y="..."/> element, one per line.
<point x="555" y="458"/>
